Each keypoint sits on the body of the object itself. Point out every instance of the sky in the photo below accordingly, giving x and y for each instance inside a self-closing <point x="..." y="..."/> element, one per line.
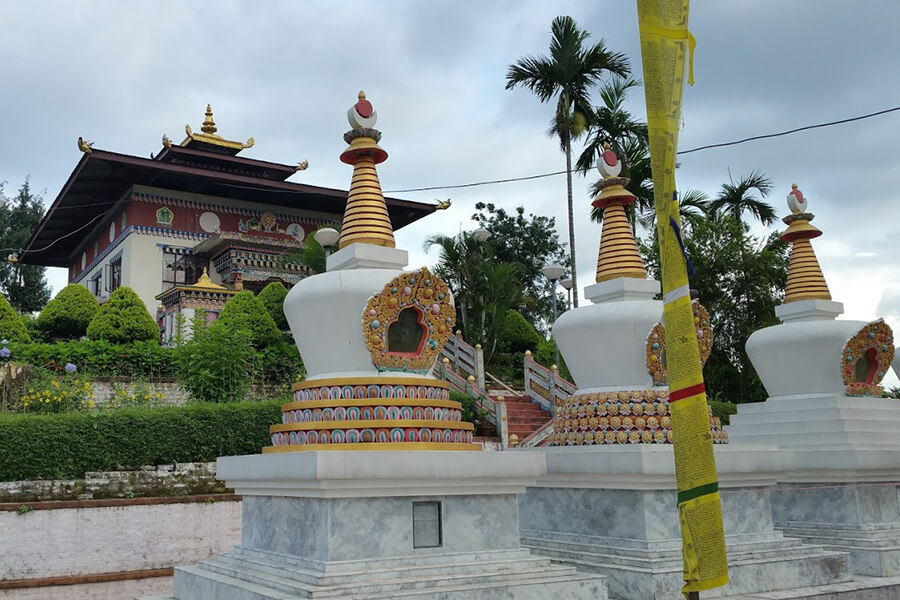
<point x="123" y="74"/>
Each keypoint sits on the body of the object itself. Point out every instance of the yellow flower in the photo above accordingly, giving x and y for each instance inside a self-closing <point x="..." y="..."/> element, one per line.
<point x="91" y="403"/>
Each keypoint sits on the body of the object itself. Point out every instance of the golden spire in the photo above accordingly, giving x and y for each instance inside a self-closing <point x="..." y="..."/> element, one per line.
<point x="619" y="256"/>
<point x="366" y="217"/>
<point x="209" y="136"/>
<point x="209" y="126"/>
<point x="805" y="280"/>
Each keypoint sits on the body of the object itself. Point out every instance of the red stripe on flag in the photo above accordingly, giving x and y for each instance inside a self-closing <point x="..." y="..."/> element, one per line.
<point x="686" y="392"/>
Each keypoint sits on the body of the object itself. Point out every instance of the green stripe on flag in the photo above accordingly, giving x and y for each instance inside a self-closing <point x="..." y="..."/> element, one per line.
<point x="700" y="490"/>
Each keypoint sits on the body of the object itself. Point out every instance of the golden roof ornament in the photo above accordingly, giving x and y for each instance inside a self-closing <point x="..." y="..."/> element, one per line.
<point x="805" y="279"/>
<point x="366" y="217"/>
<point x="208" y="134"/>
<point x="618" y="255"/>
<point x="205" y="283"/>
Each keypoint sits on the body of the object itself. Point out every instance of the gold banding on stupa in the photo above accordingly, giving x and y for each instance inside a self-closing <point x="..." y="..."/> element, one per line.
<point x="619" y="256"/>
<point x="209" y="135"/>
<point x="366" y="217"/>
<point x="805" y="280"/>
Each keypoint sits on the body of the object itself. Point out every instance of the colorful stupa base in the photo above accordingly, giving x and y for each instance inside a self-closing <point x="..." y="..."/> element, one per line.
<point x="619" y="417"/>
<point x="372" y="413"/>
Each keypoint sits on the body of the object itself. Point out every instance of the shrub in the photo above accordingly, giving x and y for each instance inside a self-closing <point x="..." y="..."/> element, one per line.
<point x="123" y="319"/>
<point x="69" y="313"/>
<point x="272" y="298"/>
<point x="217" y="363"/>
<point x="70" y="444"/>
<point x="244" y="310"/>
<point x="517" y="334"/>
<point x="11" y="326"/>
<point x="471" y="413"/>
<point x="545" y="354"/>
<point x="31" y="326"/>
<point x="100" y="358"/>
<point x="278" y="363"/>
<point x="723" y="410"/>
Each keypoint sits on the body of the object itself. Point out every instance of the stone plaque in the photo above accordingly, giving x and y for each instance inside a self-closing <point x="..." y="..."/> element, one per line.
<point x="427" y="524"/>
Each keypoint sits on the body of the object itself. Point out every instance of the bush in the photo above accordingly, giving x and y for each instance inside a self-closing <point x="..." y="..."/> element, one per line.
<point x="31" y="326"/>
<point x="11" y="326"/>
<point x="470" y="411"/>
<point x="70" y="444"/>
<point x="69" y="313"/>
<point x="517" y="334"/>
<point x="217" y="363"/>
<point x="244" y="310"/>
<point x="100" y="358"/>
<point x="279" y="363"/>
<point x="545" y="354"/>
<point x="123" y="319"/>
<point x="723" y="410"/>
<point x="272" y="298"/>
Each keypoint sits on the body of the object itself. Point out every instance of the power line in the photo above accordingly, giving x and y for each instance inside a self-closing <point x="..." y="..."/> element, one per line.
<point x="697" y="149"/>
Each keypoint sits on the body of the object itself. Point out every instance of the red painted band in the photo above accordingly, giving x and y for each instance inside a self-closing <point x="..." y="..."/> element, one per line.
<point x="686" y="392"/>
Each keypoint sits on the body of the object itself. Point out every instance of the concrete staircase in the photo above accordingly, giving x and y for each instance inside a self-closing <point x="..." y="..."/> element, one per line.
<point x="524" y="417"/>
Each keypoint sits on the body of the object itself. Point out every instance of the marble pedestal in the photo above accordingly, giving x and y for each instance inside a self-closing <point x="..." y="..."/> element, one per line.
<point x="843" y="491"/>
<point x="379" y="525"/>
<point x="612" y="510"/>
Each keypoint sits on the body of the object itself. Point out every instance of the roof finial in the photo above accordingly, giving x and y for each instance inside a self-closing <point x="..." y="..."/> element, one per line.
<point x="209" y="126"/>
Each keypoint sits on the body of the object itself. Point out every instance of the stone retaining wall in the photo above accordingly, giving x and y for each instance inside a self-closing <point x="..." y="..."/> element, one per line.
<point x="171" y="394"/>
<point x="180" y="479"/>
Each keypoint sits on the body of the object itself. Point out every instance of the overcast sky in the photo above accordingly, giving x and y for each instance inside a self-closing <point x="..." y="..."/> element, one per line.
<point x="123" y="73"/>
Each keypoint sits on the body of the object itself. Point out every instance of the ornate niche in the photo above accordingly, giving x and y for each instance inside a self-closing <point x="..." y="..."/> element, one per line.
<point x="866" y="358"/>
<point x="406" y="325"/>
<point x="656" y="344"/>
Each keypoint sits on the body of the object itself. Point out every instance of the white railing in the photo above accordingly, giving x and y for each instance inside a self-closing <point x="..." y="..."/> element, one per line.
<point x="545" y="386"/>
<point x="465" y="359"/>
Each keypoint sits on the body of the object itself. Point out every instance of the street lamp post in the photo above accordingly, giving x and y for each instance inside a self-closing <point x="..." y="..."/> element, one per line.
<point x="567" y="284"/>
<point x="553" y="273"/>
<point x="327" y="237"/>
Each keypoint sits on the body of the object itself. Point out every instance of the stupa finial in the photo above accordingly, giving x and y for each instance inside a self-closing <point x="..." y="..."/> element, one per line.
<point x="366" y="218"/>
<point x="209" y="126"/>
<point x="618" y="256"/>
<point x="805" y="279"/>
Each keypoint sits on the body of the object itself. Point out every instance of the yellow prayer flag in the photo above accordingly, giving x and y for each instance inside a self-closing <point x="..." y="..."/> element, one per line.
<point x="666" y="45"/>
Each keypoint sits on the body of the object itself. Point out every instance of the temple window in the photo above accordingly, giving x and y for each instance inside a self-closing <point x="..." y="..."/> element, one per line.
<point x="406" y="334"/>
<point x="180" y="269"/>
<point x="115" y="274"/>
<point x="96" y="280"/>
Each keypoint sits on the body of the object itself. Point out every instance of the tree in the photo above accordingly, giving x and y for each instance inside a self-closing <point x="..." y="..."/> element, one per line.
<point x="740" y="280"/>
<point x="272" y="298"/>
<point x="737" y="198"/>
<point x="460" y="264"/>
<point x="24" y="285"/>
<point x="69" y="313"/>
<point x="568" y="75"/>
<point x="530" y="243"/>
<point x="11" y="326"/>
<point x="244" y="310"/>
<point x="123" y="319"/>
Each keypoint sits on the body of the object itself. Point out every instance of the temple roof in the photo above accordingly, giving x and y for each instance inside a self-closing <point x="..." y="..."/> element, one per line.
<point x="100" y="179"/>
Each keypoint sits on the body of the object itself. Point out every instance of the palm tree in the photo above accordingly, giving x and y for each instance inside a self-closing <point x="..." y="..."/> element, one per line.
<point x="693" y="205"/>
<point x="612" y="124"/>
<point x="567" y="75"/>
<point x="737" y="198"/>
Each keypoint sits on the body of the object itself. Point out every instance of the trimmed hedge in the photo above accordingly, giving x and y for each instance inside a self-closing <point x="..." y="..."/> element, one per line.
<point x="11" y="326"/>
<point x="69" y="313"/>
<point x="67" y="445"/>
<point x="123" y="319"/>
